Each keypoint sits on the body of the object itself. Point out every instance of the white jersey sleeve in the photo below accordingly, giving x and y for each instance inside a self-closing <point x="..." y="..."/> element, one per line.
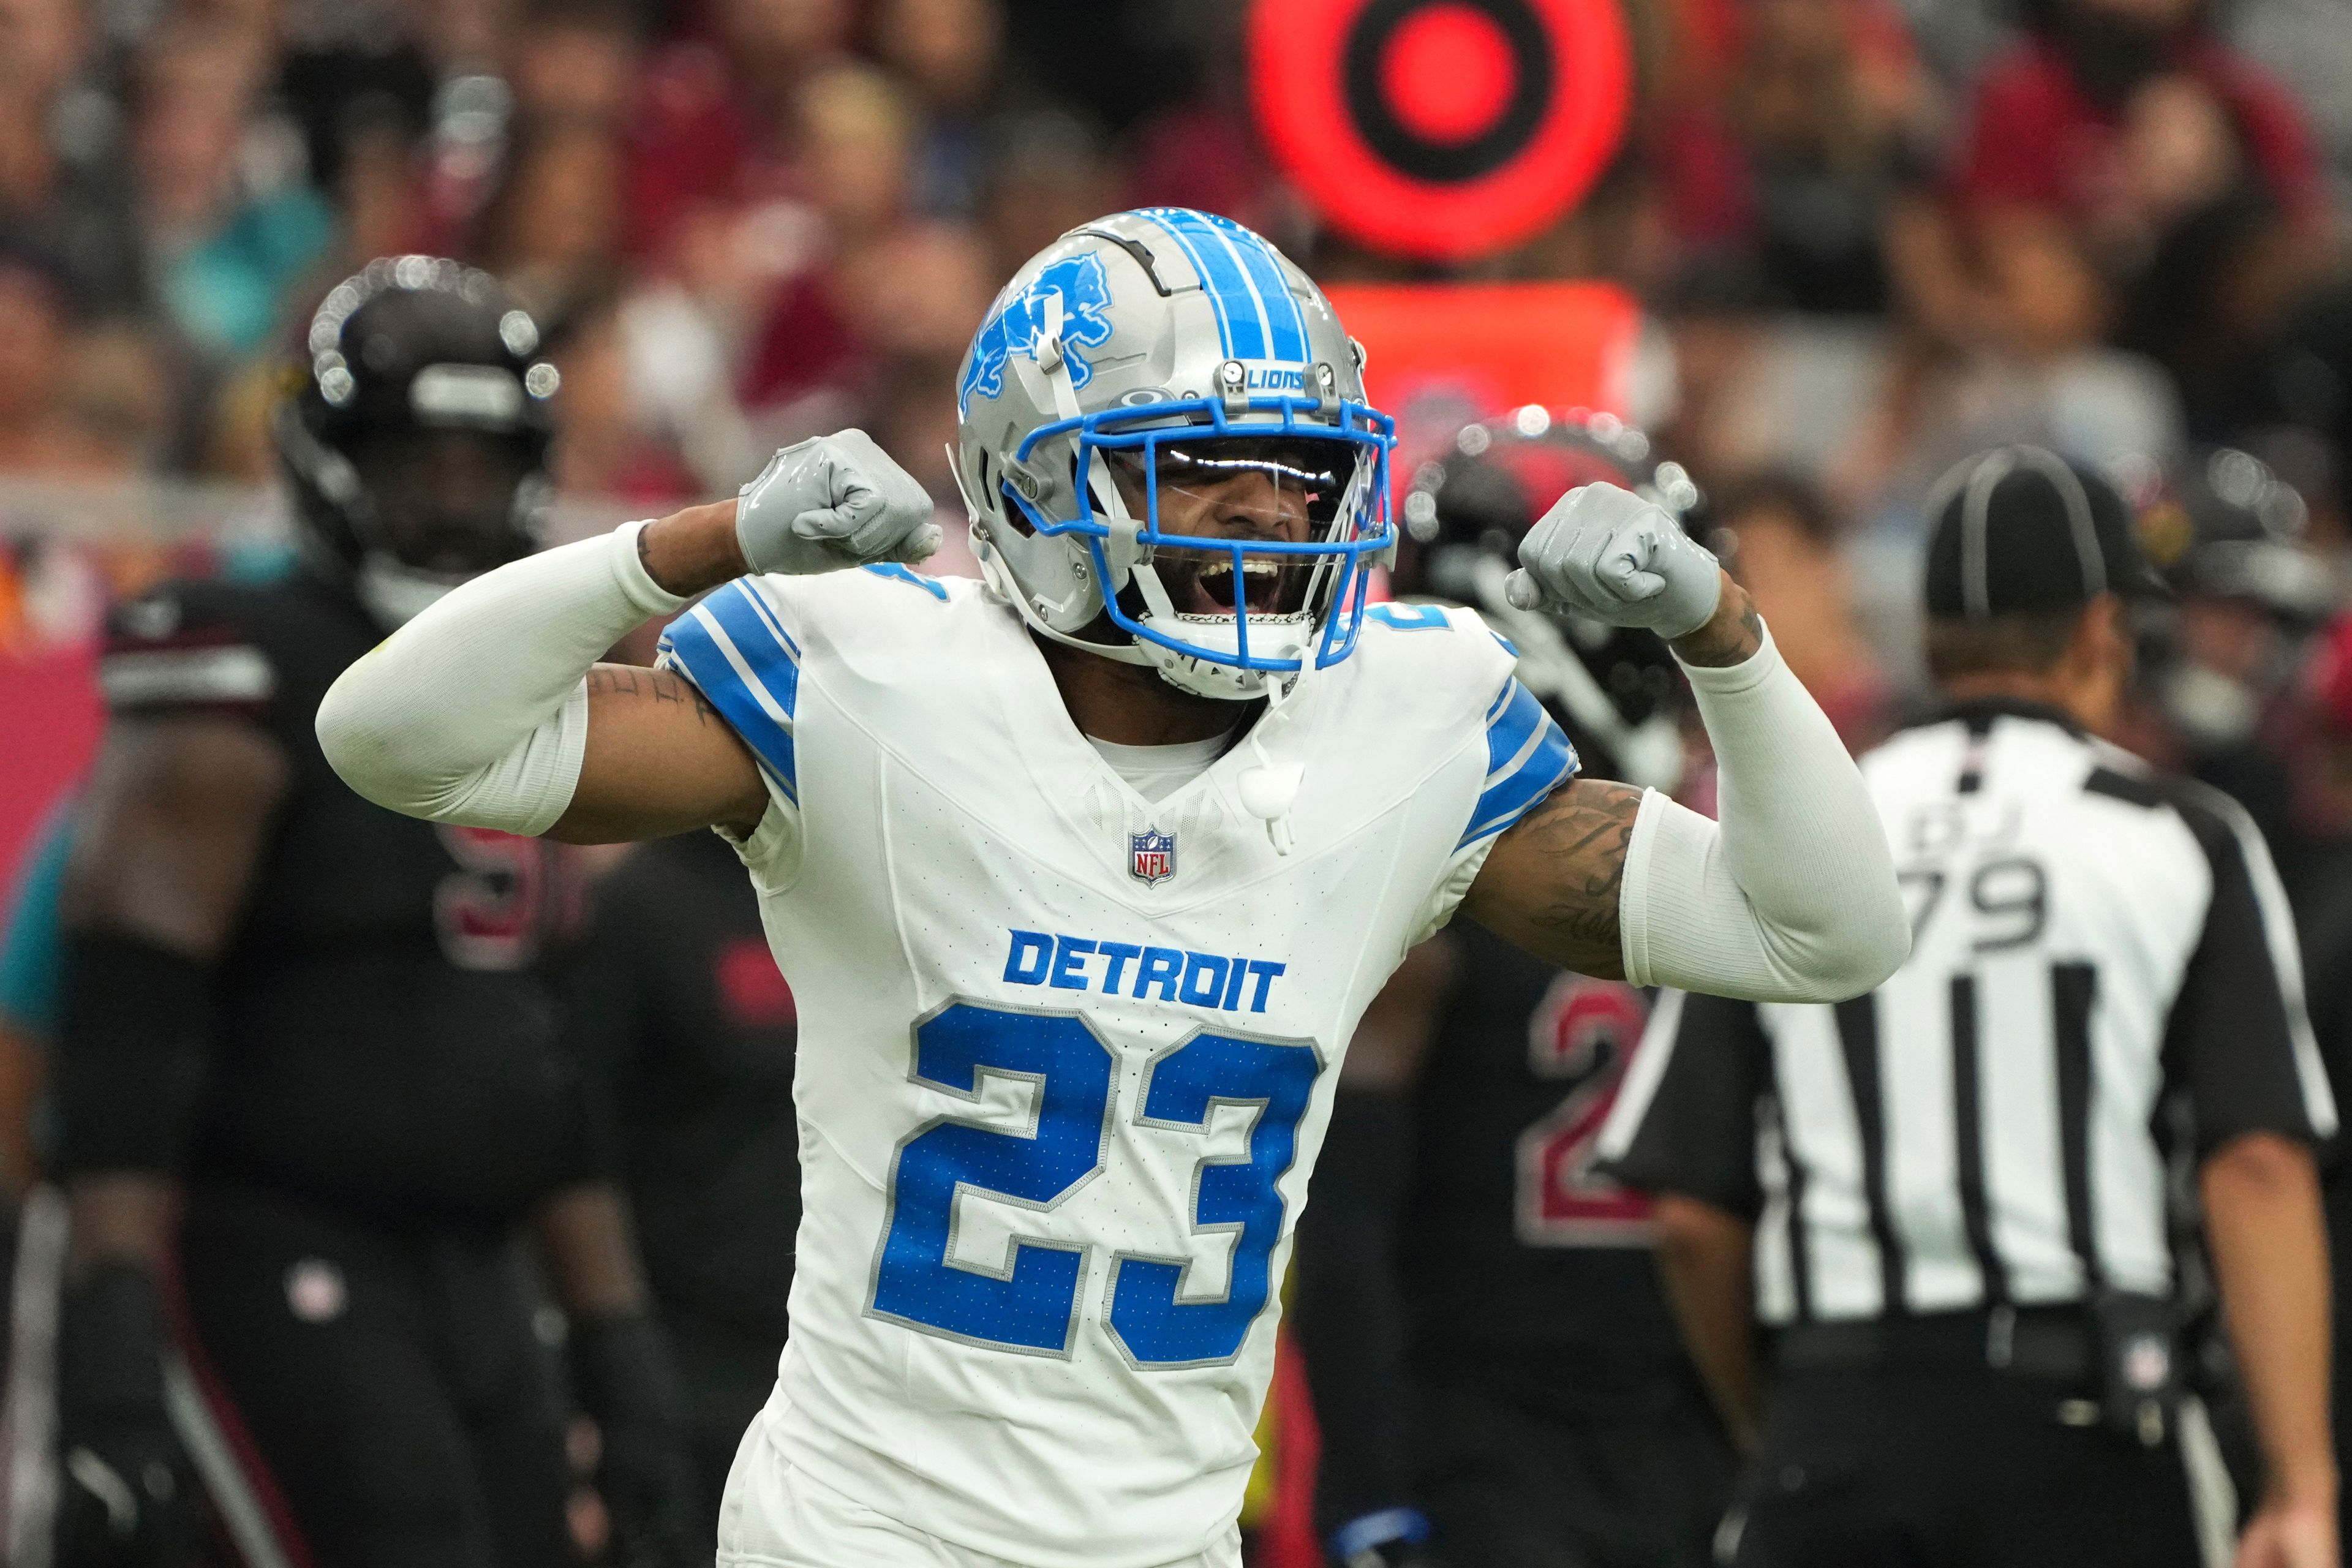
<point x="739" y="648"/>
<point x="1528" y="754"/>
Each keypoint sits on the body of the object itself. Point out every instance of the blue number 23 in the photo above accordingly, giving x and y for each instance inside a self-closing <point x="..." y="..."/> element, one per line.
<point x="1033" y="1305"/>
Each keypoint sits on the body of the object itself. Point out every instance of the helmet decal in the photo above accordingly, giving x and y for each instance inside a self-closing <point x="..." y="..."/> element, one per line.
<point x="1256" y="316"/>
<point x="1018" y="325"/>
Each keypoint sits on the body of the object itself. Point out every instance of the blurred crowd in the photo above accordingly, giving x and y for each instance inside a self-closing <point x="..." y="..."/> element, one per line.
<point x="1870" y="234"/>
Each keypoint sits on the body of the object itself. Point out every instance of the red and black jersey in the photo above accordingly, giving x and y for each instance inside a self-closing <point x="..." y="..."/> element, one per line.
<point x="1461" y="1254"/>
<point x="1523" y="1268"/>
<point x="383" y="1040"/>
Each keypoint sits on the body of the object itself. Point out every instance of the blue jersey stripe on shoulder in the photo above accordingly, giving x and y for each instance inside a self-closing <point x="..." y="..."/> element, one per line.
<point x="1509" y="732"/>
<point x="766" y="612"/>
<point x="763" y="643"/>
<point x="1508" y="799"/>
<point x="1220" y="280"/>
<point x="747" y="675"/>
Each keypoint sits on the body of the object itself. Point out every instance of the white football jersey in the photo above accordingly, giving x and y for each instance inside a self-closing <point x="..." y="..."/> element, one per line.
<point x="1066" y="1057"/>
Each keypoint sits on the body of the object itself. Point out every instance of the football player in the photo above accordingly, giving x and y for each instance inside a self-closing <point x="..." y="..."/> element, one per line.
<point x="1081" y="875"/>
<point x="308" y="1070"/>
<point x="1497" y="1377"/>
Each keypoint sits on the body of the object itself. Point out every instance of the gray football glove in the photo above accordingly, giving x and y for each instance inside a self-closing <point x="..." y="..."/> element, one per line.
<point x="1603" y="553"/>
<point x="833" y="501"/>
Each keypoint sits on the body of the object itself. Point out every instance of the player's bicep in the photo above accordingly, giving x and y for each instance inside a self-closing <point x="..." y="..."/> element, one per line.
<point x="171" y="830"/>
<point x="658" y="760"/>
<point x="1552" y="882"/>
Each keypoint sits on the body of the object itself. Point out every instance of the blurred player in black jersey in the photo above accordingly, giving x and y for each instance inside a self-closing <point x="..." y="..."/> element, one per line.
<point x="1498" y="1381"/>
<point x="310" y="1081"/>
<point x="678" y="1000"/>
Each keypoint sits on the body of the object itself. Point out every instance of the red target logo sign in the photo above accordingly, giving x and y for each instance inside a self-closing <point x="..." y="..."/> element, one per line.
<point x="1441" y="128"/>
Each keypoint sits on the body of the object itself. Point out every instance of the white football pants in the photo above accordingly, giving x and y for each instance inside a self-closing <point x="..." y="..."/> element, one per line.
<point x="776" y="1516"/>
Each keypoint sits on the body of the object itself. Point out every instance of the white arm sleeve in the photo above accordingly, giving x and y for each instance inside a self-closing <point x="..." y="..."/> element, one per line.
<point x="477" y="711"/>
<point x="1790" y="895"/>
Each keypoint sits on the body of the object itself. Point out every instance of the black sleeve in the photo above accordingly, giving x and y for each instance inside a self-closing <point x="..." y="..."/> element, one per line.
<point x="133" y="1053"/>
<point x="1348" y="1309"/>
<point x="135" y="1028"/>
<point x="2237" y="1040"/>
<point x="601" y="977"/>
<point x="1686" y="1124"/>
<point x="604" y="987"/>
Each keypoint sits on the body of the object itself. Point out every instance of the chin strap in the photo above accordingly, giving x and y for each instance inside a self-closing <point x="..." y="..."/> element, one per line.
<point x="1270" y="789"/>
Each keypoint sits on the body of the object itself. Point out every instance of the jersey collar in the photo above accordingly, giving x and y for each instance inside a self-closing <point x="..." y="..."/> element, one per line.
<point x="1978" y="713"/>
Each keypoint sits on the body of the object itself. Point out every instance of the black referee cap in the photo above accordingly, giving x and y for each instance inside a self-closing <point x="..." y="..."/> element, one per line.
<point x="2021" y="528"/>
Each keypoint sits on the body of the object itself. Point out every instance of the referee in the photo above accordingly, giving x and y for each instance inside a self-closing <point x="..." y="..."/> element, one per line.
<point x="1961" y="1207"/>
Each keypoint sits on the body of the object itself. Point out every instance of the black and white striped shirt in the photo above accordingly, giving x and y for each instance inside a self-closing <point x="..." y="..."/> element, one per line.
<point x="2103" y="978"/>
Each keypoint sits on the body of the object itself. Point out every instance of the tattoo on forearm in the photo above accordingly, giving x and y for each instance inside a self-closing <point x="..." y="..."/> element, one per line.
<point x="1728" y="638"/>
<point x="657" y="685"/>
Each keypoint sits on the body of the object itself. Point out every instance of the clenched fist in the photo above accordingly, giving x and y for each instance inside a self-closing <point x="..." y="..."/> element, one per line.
<point x="833" y="502"/>
<point x="1604" y="552"/>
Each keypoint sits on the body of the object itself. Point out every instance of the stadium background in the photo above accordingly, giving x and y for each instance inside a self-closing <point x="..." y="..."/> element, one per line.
<point x="1839" y="242"/>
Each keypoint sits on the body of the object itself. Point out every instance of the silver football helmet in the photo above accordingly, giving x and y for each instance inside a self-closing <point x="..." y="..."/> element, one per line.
<point x="1167" y="353"/>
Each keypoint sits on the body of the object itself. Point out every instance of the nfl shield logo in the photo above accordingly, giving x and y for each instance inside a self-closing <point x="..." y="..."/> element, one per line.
<point x="1151" y="856"/>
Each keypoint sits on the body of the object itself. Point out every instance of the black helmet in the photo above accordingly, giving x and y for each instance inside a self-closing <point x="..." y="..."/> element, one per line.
<point x="2244" y="539"/>
<point x="416" y="441"/>
<point x="2247" y="592"/>
<point x="1463" y="515"/>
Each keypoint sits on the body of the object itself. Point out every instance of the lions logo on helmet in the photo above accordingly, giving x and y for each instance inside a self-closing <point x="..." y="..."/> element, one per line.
<point x="1212" y="364"/>
<point x="1020" y="325"/>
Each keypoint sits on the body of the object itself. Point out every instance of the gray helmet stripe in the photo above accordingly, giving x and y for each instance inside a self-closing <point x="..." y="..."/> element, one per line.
<point x="1976" y="570"/>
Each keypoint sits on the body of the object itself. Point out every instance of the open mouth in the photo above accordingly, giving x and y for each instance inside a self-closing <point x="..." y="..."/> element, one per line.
<point x="1215" y="587"/>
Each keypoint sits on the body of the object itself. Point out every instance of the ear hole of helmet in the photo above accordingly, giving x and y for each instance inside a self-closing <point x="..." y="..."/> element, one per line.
<point x="999" y="495"/>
